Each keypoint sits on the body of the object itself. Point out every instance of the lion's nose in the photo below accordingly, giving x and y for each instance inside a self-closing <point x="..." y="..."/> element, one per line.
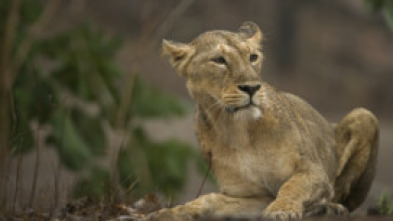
<point x="249" y="89"/>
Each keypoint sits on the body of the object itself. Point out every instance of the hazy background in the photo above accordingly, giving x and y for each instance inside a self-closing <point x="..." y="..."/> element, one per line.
<point x="335" y="54"/>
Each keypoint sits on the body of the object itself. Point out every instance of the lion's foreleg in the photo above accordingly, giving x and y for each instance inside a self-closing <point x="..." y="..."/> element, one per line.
<point x="304" y="188"/>
<point x="215" y="205"/>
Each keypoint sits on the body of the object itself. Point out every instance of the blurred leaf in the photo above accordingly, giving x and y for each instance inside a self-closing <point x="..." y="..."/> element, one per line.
<point x="386" y="6"/>
<point x="388" y="14"/>
<point x="30" y="11"/>
<point x="91" y="130"/>
<point x="22" y="140"/>
<point x="34" y="97"/>
<point x="95" y="186"/>
<point x="73" y="150"/>
<point x="107" y="73"/>
<point x="4" y="11"/>
<point x="125" y="168"/>
<point x="86" y="67"/>
<point x="100" y="44"/>
<point x="141" y="137"/>
<point x="385" y="204"/>
<point x="168" y="164"/>
<point x="147" y="101"/>
<point x="134" y="164"/>
<point x="33" y="100"/>
<point x="374" y="5"/>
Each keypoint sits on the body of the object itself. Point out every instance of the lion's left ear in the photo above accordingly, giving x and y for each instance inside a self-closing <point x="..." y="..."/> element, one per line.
<point x="251" y="32"/>
<point x="177" y="52"/>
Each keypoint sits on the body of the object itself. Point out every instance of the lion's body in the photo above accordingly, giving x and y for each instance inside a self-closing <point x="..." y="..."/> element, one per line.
<point x="254" y="158"/>
<point x="270" y="151"/>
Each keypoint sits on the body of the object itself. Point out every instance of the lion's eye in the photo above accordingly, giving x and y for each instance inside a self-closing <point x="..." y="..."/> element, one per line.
<point x="219" y="60"/>
<point x="253" y="57"/>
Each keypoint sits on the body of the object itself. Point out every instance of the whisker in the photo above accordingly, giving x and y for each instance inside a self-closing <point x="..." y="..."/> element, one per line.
<point x="234" y="96"/>
<point x="233" y="102"/>
<point x="214" y="105"/>
<point x="219" y="116"/>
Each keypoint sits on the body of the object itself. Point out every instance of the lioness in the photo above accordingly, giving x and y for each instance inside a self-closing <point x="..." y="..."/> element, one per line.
<point x="273" y="155"/>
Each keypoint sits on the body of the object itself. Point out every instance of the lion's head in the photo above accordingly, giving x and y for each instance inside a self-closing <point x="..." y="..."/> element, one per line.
<point x="222" y="69"/>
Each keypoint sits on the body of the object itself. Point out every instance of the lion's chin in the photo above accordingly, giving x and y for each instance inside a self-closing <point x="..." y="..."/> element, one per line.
<point x="248" y="113"/>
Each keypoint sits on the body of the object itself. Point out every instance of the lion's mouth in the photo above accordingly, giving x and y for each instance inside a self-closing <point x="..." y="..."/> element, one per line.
<point x="233" y="109"/>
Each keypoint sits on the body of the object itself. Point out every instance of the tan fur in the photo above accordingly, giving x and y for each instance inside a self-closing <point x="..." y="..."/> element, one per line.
<point x="277" y="157"/>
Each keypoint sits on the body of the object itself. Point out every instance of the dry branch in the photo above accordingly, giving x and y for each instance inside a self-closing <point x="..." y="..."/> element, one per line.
<point x="5" y="87"/>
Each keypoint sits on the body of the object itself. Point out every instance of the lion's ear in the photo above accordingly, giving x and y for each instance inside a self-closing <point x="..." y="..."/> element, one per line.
<point x="177" y="52"/>
<point x="251" y="32"/>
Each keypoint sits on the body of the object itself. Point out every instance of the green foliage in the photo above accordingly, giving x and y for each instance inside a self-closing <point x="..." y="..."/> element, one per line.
<point x="85" y="65"/>
<point x="388" y="14"/>
<point x="386" y="6"/>
<point x="72" y="147"/>
<point x="77" y="66"/>
<point x="149" y="102"/>
<point x="87" y="70"/>
<point x="30" y="11"/>
<point x="385" y="205"/>
<point x="374" y="5"/>
<point x="92" y="130"/>
<point x="168" y="163"/>
<point x="33" y="100"/>
<point x="125" y="169"/>
<point x="97" y="185"/>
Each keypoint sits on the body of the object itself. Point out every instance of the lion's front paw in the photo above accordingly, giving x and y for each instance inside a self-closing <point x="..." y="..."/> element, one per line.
<point x="329" y="209"/>
<point x="283" y="211"/>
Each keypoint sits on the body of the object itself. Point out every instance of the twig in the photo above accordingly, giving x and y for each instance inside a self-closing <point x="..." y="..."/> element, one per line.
<point x="166" y="25"/>
<point x="115" y="175"/>
<point x="149" y="24"/>
<point x="172" y="18"/>
<point x="132" y="185"/>
<point x="18" y="169"/>
<point x="13" y="112"/>
<point x="5" y="88"/>
<point x="209" y="162"/>
<point x="57" y="176"/>
<point x="36" y="169"/>
<point x="162" y="30"/>
<point x="6" y="172"/>
<point x="34" y="31"/>
<point x="58" y="173"/>
<point x="125" y="103"/>
<point x="9" y="36"/>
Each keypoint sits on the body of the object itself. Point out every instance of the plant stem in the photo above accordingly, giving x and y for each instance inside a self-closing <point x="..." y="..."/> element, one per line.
<point x="5" y="86"/>
<point x="17" y="179"/>
<point x="36" y="168"/>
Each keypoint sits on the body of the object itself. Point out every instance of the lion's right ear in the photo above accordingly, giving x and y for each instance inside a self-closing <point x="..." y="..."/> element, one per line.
<point x="177" y="53"/>
<point x="252" y="32"/>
